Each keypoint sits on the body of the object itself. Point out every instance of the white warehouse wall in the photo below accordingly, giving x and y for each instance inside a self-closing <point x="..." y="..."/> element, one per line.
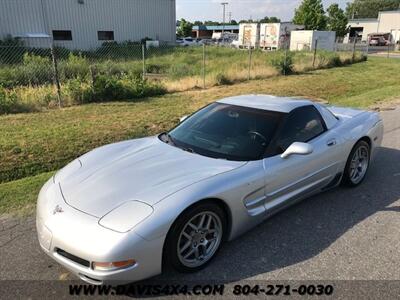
<point x="389" y="21"/>
<point x="129" y="19"/>
<point x="369" y="26"/>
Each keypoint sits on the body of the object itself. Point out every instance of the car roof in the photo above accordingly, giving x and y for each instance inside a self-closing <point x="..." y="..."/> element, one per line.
<point x="267" y="102"/>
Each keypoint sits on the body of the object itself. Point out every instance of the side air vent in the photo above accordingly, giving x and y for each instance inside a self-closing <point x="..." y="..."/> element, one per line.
<point x="74" y="258"/>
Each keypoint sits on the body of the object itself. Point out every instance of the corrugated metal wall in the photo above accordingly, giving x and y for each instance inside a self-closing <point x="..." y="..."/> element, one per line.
<point x="129" y="19"/>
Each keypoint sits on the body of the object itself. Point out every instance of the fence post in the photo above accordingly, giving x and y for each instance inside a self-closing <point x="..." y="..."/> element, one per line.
<point x="315" y="53"/>
<point x="336" y="43"/>
<point x="204" y="66"/>
<point x="285" y="62"/>
<point x="353" y="56"/>
<point x="92" y="71"/>
<point x="388" y="52"/>
<point x="144" y="61"/>
<point x="249" y="73"/>
<point x="56" y="75"/>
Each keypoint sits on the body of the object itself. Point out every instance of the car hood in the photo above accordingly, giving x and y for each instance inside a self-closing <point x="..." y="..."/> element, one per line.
<point x="145" y="169"/>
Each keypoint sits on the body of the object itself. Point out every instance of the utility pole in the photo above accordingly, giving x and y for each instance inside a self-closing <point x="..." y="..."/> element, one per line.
<point x="224" y="4"/>
<point x="56" y="76"/>
<point x="230" y="17"/>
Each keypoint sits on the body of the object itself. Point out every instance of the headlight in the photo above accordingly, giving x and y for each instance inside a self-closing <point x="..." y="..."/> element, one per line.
<point x="126" y="216"/>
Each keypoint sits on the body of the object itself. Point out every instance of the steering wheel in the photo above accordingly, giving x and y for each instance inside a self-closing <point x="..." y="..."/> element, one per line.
<point x="256" y="133"/>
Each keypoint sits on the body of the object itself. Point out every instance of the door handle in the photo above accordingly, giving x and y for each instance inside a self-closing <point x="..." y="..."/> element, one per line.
<point x="331" y="143"/>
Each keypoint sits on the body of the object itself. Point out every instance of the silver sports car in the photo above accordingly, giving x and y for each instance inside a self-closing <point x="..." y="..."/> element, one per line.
<point x="123" y="211"/>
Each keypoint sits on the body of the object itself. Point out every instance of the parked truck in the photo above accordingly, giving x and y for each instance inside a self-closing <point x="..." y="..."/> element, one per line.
<point x="309" y="39"/>
<point x="249" y="35"/>
<point x="274" y="36"/>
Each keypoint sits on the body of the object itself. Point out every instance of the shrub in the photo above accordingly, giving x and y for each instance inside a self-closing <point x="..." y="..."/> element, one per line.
<point x="75" y="66"/>
<point x="36" y="69"/>
<point x="6" y="102"/>
<point x="328" y="59"/>
<point x="35" y="98"/>
<point x="179" y="70"/>
<point x="115" y="50"/>
<point x="221" y="79"/>
<point x="106" y="88"/>
<point x="7" y="77"/>
<point x="117" y="69"/>
<point x="156" y="68"/>
<point x="283" y="62"/>
<point x="145" y="88"/>
<point x="335" y="61"/>
<point x="76" y="91"/>
<point x="11" y="50"/>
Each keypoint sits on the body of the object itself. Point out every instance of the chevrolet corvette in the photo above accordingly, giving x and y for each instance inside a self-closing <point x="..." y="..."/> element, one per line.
<point x="123" y="211"/>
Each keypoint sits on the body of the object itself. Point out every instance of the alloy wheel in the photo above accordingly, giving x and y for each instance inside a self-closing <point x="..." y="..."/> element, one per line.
<point x="359" y="164"/>
<point x="199" y="239"/>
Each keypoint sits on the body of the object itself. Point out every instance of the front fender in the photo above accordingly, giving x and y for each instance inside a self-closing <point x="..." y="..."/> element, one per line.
<point x="233" y="188"/>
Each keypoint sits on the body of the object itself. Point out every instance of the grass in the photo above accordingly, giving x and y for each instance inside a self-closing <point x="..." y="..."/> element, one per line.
<point x="28" y="86"/>
<point x="21" y="195"/>
<point x="31" y="144"/>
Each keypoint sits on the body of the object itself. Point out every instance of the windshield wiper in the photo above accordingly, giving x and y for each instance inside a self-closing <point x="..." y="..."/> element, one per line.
<point x="190" y="150"/>
<point x="167" y="138"/>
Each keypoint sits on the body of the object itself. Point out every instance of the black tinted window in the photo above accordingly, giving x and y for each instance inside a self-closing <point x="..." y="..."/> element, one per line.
<point x="228" y="131"/>
<point x="302" y="125"/>
<point x="105" y="35"/>
<point x="62" y="35"/>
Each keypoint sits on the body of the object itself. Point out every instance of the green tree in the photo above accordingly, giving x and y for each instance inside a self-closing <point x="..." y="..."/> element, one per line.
<point x="270" y="20"/>
<point x="246" y="21"/>
<point x="370" y="8"/>
<point x="337" y="20"/>
<point x="185" y="28"/>
<point x="198" y="23"/>
<point x="211" y="23"/>
<point x="311" y="14"/>
<point x="233" y="22"/>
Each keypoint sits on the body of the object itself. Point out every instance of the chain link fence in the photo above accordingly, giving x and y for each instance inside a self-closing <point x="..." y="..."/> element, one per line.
<point x="389" y="50"/>
<point x="33" y="78"/>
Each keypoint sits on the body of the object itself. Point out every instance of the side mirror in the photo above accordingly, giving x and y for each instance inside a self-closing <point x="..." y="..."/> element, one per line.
<point x="183" y="118"/>
<point x="298" y="148"/>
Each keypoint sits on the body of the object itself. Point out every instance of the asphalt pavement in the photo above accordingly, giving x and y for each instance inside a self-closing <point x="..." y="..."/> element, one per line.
<point x="341" y="234"/>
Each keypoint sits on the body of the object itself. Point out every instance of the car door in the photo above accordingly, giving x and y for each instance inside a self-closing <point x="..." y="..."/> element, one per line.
<point x="297" y="176"/>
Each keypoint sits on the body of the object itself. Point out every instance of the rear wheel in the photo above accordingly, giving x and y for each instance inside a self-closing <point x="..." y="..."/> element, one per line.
<point x="357" y="164"/>
<point x="196" y="237"/>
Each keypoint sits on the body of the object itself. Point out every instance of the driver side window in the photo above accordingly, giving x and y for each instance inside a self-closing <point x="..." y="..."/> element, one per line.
<point x="302" y="125"/>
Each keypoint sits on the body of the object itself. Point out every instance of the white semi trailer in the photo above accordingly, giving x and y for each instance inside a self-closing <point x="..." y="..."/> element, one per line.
<point x="309" y="39"/>
<point x="274" y="36"/>
<point x="249" y="35"/>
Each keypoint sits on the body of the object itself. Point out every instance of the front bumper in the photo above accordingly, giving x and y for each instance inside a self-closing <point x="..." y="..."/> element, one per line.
<point x="66" y="230"/>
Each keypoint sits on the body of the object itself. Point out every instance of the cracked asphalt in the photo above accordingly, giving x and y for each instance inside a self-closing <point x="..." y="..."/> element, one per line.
<point x="338" y="235"/>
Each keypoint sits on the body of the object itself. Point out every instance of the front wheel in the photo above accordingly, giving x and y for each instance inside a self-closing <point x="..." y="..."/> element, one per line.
<point x="196" y="237"/>
<point x="357" y="164"/>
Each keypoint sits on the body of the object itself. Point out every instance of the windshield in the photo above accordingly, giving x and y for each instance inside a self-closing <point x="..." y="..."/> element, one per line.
<point x="227" y="131"/>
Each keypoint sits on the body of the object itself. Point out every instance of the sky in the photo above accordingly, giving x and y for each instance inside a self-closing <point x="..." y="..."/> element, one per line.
<point x="202" y="10"/>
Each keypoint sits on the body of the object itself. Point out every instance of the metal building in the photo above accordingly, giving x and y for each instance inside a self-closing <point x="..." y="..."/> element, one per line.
<point x="86" y="24"/>
<point x="387" y="22"/>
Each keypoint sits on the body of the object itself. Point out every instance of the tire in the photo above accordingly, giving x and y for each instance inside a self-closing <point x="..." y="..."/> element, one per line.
<point x="182" y="234"/>
<point x="357" y="163"/>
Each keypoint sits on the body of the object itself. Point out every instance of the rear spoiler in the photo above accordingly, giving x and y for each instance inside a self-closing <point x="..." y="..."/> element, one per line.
<point x="344" y="112"/>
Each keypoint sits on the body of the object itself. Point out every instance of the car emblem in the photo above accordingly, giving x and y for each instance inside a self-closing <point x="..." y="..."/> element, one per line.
<point x="58" y="209"/>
